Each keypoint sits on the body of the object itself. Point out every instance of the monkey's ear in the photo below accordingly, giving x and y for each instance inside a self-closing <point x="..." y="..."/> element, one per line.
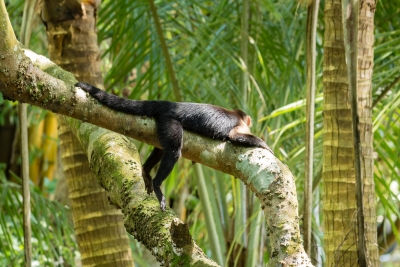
<point x="248" y="120"/>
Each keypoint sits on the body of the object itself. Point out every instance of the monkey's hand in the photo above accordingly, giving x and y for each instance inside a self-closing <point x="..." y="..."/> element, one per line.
<point x="148" y="181"/>
<point x="248" y="140"/>
<point x="264" y="145"/>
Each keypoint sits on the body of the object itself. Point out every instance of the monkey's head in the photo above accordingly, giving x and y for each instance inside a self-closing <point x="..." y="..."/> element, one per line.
<point x="243" y="116"/>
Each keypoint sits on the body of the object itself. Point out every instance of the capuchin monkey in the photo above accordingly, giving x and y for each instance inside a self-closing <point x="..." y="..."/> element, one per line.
<point x="171" y="118"/>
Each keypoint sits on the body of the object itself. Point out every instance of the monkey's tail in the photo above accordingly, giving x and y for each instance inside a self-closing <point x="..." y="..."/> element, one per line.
<point x="133" y="107"/>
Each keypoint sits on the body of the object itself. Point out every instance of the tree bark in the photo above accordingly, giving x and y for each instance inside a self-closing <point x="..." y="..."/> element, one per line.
<point x="364" y="95"/>
<point x="338" y="170"/>
<point x="338" y="167"/>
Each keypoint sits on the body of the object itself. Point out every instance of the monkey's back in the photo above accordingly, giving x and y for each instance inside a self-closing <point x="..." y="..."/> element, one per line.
<point x="204" y="119"/>
<point x="207" y="120"/>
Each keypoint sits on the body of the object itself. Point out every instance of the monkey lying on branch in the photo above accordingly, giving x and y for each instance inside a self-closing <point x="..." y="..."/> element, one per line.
<point x="171" y="118"/>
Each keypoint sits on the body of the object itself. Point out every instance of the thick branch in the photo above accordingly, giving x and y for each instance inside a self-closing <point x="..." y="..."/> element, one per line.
<point x="115" y="162"/>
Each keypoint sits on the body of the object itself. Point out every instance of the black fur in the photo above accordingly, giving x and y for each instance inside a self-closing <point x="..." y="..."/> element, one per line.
<point x="171" y="118"/>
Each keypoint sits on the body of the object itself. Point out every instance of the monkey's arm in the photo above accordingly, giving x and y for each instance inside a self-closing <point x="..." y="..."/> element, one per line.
<point x="248" y="140"/>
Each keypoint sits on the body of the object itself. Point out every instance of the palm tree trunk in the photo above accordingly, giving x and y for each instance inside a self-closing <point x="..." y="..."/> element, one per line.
<point x="338" y="170"/>
<point x="364" y="95"/>
<point x="99" y="226"/>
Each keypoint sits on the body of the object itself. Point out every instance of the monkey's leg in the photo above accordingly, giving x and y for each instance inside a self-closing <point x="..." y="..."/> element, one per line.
<point x="152" y="160"/>
<point x="170" y="134"/>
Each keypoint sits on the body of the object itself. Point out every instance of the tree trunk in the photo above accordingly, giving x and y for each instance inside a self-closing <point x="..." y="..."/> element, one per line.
<point x="99" y="227"/>
<point x="364" y="95"/>
<point x="338" y="169"/>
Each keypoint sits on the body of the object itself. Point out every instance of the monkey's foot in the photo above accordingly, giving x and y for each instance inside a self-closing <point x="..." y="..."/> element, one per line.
<point x="148" y="181"/>
<point x="160" y="197"/>
<point x="163" y="204"/>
